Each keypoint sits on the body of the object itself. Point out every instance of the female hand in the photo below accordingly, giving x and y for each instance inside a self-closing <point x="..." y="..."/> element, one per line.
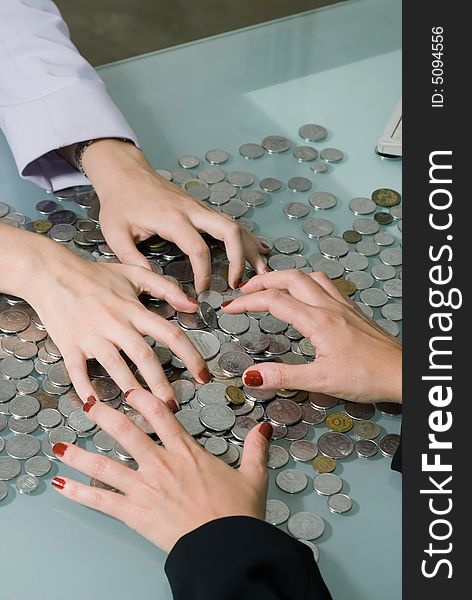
<point x="136" y="203"/>
<point x="178" y="486"/>
<point x="355" y="359"/>
<point x="91" y="310"/>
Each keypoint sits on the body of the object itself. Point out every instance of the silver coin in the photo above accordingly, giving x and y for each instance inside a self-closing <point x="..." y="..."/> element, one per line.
<point x="327" y="484"/>
<point x="339" y="503"/>
<point x="319" y="166"/>
<point x="366" y="430"/>
<point x="322" y="200"/>
<point x="281" y="262"/>
<point x="391" y="256"/>
<point x="189" y="161"/>
<point x="231" y="456"/>
<point x="13" y="320"/>
<point x="217" y="417"/>
<point x="216" y="157"/>
<point x="306" y="526"/>
<point x="367" y="248"/>
<point x="62" y="232"/>
<point x="190" y="420"/>
<point x="49" y="418"/>
<point x="300" y="261"/>
<point x="366" y="448"/>
<point x="27" y="484"/>
<point x="103" y="442"/>
<point x="205" y="342"/>
<point x="270" y="184"/>
<point x="240" y="179"/>
<point x="317" y="228"/>
<point x="388" y="444"/>
<point x="332" y="155"/>
<point x="24" y="350"/>
<point x="392" y="311"/>
<point x="22" y="446"/>
<point x="270" y="324"/>
<point x="383" y="272"/>
<point x="22" y="425"/>
<point x="303" y="450"/>
<point x="284" y="412"/>
<point x="28" y="385"/>
<point x="63" y="434"/>
<point x="287" y="244"/>
<point x="3" y="485"/>
<point x="361" y="279"/>
<point x="68" y="403"/>
<point x="389" y="326"/>
<point x="224" y="186"/>
<point x="366" y="226"/>
<point x="211" y="175"/>
<point x="164" y="173"/>
<point x="9" y="468"/>
<point x="14" y="368"/>
<point x="291" y="481"/>
<point x="211" y="393"/>
<point x="306" y="347"/>
<point x="24" y="407"/>
<point x="234" y="208"/>
<point x="254" y="342"/>
<point x="58" y="375"/>
<point x="332" y="268"/>
<point x="305" y="153"/>
<point x="278" y="344"/>
<point x="242" y="427"/>
<point x="233" y="324"/>
<point x="7" y="390"/>
<point x="299" y="184"/>
<point x="184" y="390"/>
<point x="253" y="197"/>
<point x="295" y="210"/>
<point x="362" y="206"/>
<point x="107" y="389"/>
<point x="359" y="411"/>
<point x="216" y="445"/>
<point x="278" y="457"/>
<point x="275" y="144"/>
<point x="312" y="132"/>
<point x="3" y="422"/>
<point x="335" y="445"/>
<point x="396" y="212"/>
<point x="312" y="415"/>
<point x="46" y="449"/>
<point x="258" y="394"/>
<point x="2" y="443"/>
<point x="247" y="224"/>
<point x="197" y="189"/>
<point x="393" y="288"/>
<point x="190" y="321"/>
<point x="50" y="388"/>
<point x="38" y="466"/>
<point x="384" y="239"/>
<point x="333" y="247"/>
<point x="251" y="151"/>
<point x="277" y="512"/>
<point x="4" y="209"/>
<point x="79" y="422"/>
<point x="218" y="197"/>
<point x="355" y="262"/>
<point x="374" y="297"/>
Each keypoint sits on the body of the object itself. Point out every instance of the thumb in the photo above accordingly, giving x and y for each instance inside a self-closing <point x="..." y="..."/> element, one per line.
<point x="279" y="375"/>
<point x="125" y="249"/>
<point x="256" y="453"/>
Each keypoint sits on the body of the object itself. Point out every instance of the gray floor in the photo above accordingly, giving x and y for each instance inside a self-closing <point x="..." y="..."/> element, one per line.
<point x="109" y="30"/>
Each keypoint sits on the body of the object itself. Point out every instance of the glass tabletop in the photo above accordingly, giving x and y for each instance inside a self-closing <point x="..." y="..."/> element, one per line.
<point x="339" y="66"/>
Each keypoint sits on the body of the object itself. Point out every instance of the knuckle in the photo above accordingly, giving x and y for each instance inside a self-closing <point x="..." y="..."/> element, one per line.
<point x="200" y="250"/>
<point x="97" y="498"/>
<point x="143" y="352"/>
<point x="157" y="410"/>
<point x="99" y="466"/>
<point x="120" y="425"/>
<point x="275" y="295"/>
<point x="175" y="335"/>
<point x="277" y="376"/>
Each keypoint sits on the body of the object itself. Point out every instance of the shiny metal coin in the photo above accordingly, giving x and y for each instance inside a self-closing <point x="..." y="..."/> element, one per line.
<point x="184" y="390"/>
<point x="240" y="179"/>
<point x="281" y="262"/>
<point x="18" y="426"/>
<point x="79" y="422"/>
<point x="14" y="368"/>
<point x="25" y="350"/>
<point x="367" y="248"/>
<point x="251" y="151"/>
<point x="306" y="526"/>
<point x="275" y="144"/>
<point x="61" y="434"/>
<point x="393" y="288"/>
<point x="7" y="390"/>
<point x="217" y="417"/>
<point x="253" y="197"/>
<point x="270" y="324"/>
<point x="278" y="457"/>
<point x="339" y="503"/>
<point x="189" y="161"/>
<point x="361" y="279"/>
<point x="277" y="512"/>
<point x="296" y="432"/>
<point x="291" y="481"/>
<point x="333" y="247"/>
<point x="27" y="484"/>
<point x="22" y="446"/>
<point x="362" y="206"/>
<point x="327" y="484"/>
<point x="303" y="450"/>
<point x="2" y="442"/>
<point x="322" y="200"/>
<point x="386" y="197"/>
<point x="319" y="166"/>
<point x="299" y="184"/>
<point x="5" y="209"/>
<point x="384" y="239"/>
<point x="366" y="226"/>
<point x="390" y="327"/>
<point x="396" y="212"/>
<point x="3" y="485"/>
<point x="24" y="407"/>
<point x="335" y="445"/>
<point x="366" y="448"/>
<point x="165" y="174"/>
<point x="312" y="132"/>
<point x="9" y="468"/>
<point x="211" y="393"/>
<point x="383" y="272"/>
<point x="216" y="445"/>
<point x="351" y="236"/>
<point x="254" y="342"/>
<point x="305" y="153"/>
<point x="216" y="157"/>
<point x="391" y="256"/>
<point x="38" y="466"/>
<point x="27" y="386"/>
<point x="197" y="189"/>
<point x="287" y="244"/>
<point x="231" y="456"/>
<point x="359" y="411"/>
<point x="3" y="422"/>
<point x="211" y="175"/>
<point x="392" y="311"/>
<point x="311" y="415"/>
<point x="233" y="324"/>
<point x="295" y="210"/>
<point x="366" y="430"/>
<point x="218" y="197"/>
<point x="284" y="412"/>
<point x="242" y="427"/>
<point x="374" y="297"/>
<point x="190" y="421"/>
<point x="270" y="184"/>
<point x="208" y="315"/>
<point x="322" y="400"/>
<point x="49" y="418"/>
<point x="331" y="155"/>
<point x="388" y="444"/>
<point x="354" y="262"/>
<point x="234" y="208"/>
<point x="317" y="228"/>
<point x="234" y="363"/>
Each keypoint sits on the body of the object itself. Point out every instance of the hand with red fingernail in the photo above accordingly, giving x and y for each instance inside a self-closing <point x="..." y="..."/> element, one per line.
<point x="355" y="359"/>
<point x="165" y="499"/>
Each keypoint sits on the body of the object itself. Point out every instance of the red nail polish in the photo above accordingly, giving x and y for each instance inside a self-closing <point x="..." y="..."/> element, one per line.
<point x="223" y="304"/>
<point x="193" y="301"/>
<point x="266" y="430"/>
<point x="205" y="376"/>
<point x="58" y="483"/>
<point x="128" y="392"/>
<point x="88" y="405"/>
<point x="237" y="283"/>
<point x="253" y="379"/>
<point x="172" y="405"/>
<point x="244" y="283"/>
<point x="59" y="449"/>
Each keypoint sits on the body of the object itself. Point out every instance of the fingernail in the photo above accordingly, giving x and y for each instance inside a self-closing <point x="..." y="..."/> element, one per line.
<point x="237" y="283"/>
<point x="267" y="269"/>
<point x="193" y="301"/>
<point x="172" y="405"/>
<point x="223" y="304"/>
<point x="253" y="379"/>
<point x="265" y="246"/>
<point x="88" y="405"/>
<point x="128" y="392"/>
<point x="244" y="283"/>
<point x="204" y="374"/>
<point x="266" y="430"/>
<point x="59" y="449"/>
<point x="58" y="483"/>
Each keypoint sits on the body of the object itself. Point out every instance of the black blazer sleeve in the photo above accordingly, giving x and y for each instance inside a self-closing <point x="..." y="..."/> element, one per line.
<point x="242" y="558"/>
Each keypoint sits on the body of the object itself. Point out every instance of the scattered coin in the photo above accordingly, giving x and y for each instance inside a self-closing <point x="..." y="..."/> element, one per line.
<point x="291" y="481"/>
<point x="327" y="484"/>
<point x="277" y="512"/>
<point x="339" y="503"/>
<point x="306" y="526"/>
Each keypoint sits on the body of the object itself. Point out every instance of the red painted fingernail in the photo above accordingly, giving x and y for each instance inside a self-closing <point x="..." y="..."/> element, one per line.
<point x="193" y="301"/>
<point x="223" y="304"/>
<point x="88" y="405"/>
<point x="59" y="449"/>
<point x="266" y="430"/>
<point x="244" y="283"/>
<point x="128" y="392"/>
<point x="253" y="379"/>
<point x="172" y="405"/>
<point x="204" y="375"/>
<point x="58" y="483"/>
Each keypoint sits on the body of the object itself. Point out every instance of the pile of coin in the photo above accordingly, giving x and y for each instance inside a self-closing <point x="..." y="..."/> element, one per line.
<point x="38" y="406"/>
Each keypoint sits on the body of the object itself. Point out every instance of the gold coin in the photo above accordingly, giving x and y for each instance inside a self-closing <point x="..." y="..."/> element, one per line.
<point x="339" y="422"/>
<point x="347" y="288"/>
<point x="154" y="243"/>
<point x="323" y="464"/>
<point x="42" y="225"/>
<point x="235" y="395"/>
<point x="386" y="197"/>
